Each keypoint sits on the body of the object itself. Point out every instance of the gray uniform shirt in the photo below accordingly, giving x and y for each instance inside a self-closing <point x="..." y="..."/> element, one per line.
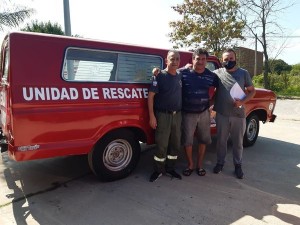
<point x="224" y="103"/>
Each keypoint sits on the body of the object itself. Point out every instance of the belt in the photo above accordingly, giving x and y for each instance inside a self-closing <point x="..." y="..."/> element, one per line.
<point x="168" y="111"/>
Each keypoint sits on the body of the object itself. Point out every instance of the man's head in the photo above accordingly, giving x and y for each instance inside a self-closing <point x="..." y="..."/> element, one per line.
<point x="172" y="61"/>
<point x="199" y="60"/>
<point x="229" y="59"/>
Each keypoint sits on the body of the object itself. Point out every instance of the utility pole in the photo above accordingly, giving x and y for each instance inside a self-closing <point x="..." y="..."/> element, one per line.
<point x="67" y="18"/>
<point x="70" y="63"/>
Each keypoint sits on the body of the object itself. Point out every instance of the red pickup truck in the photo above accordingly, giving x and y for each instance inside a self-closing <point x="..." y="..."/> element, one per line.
<point x="69" y="96"/>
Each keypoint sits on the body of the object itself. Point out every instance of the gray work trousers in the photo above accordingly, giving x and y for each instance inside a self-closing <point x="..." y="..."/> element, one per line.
<point x="167" y="139"/>
<point x="235" y="127"/>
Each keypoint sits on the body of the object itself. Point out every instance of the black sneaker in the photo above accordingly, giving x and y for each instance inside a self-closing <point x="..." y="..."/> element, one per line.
<point x="155" y="176"/>
<point x="173" y="173"/>
<point x="218" y="168"/>
<point x="239" y="172"/>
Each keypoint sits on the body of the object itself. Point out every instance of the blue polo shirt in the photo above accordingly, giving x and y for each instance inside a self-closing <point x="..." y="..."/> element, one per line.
<point x="195" y="89"/>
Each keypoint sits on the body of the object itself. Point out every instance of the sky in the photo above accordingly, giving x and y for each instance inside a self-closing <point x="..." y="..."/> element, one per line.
<point x="144" y="22"/>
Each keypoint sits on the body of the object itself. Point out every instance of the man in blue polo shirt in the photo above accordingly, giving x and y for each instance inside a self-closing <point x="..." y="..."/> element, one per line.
<point x="196" y="83"/>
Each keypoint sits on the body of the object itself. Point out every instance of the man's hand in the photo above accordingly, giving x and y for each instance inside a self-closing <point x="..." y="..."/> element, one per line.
<point x="238" y="103"/>
<point x="153" y="122"/>
<point x="155" y="71"/>
<point x="188" y="66"/>
<point x="212" y="112"/>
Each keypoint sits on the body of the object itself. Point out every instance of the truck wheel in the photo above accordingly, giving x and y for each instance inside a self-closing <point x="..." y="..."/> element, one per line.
<point x="252" y="129"/>
<point x="115" y="156"/>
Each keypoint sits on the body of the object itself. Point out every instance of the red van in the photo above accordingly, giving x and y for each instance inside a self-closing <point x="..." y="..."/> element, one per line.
<point x="69" y="96"/>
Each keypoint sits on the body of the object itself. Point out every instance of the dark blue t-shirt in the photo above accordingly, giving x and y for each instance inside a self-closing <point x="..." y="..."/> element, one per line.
<point x="195" y="89"/>
<point x="168" y="89"/>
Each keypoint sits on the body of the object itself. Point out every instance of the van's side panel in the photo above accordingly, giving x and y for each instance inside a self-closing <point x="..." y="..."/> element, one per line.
<point x="49" y="128"/>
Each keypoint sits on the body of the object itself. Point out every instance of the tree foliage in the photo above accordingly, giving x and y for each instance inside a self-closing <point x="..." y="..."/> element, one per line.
<point x="278" y="66"/>
<point x="13" y="16"/>
<point x="295" y="70"/>
<point x="211" y="23"/>
<point x="41" y="27"/>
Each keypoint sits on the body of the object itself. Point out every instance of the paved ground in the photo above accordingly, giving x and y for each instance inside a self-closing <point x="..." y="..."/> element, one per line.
<point x="64" y="191"/>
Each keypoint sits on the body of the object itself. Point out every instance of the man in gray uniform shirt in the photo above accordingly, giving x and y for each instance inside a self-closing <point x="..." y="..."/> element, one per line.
<point x="231" y="118"/>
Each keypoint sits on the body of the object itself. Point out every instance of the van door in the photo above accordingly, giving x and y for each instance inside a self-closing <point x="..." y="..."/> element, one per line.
<point x="4" y="87"/>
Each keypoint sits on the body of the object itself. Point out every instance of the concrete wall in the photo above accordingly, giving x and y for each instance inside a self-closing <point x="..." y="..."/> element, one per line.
<point x="246" y="60"/>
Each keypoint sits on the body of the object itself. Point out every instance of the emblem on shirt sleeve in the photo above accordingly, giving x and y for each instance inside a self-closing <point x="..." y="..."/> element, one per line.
<point x="154" y="82"/>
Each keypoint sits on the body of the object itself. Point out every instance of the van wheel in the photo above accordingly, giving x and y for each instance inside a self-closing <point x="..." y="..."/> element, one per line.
<point x="252" y="129"/>
<point x="115" y="156"/>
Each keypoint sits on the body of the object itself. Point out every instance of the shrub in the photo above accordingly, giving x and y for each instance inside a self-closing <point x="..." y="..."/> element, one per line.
<point x="284" y="84"/>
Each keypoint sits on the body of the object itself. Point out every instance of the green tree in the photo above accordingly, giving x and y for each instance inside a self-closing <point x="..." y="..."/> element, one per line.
<point x="13" y="16"/>
<point x="41" y="27"/>
<point x="295" y="70"/>
<point x="213" y="24"/>
<point x="279" y="66"/>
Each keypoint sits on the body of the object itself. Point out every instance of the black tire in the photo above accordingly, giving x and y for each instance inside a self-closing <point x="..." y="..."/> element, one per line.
<point x="252" y="130"/>
<point x="4" y="147"/>
<point x="115" y="156"/>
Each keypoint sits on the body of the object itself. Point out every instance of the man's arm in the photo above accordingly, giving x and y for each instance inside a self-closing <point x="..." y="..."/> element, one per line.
<point x="157" y="70"/>
<point x="249" y="95"/>
<point x="152" y="122"/>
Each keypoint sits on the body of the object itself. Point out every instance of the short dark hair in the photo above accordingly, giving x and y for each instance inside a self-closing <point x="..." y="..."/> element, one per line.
<point x="200" y="51"/>
<point x="228" y="50"/>
<point x="173" y="51"/>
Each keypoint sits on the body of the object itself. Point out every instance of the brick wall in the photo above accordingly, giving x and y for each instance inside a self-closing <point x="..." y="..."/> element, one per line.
<point x="246" y="60"/>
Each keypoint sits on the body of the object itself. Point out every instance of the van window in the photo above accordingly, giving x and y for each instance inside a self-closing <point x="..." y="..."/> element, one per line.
<point x="97" y="66"/>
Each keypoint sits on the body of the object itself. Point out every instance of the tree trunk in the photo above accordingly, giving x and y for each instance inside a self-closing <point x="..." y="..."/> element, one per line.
<point x="266" y="70"/>
<point x="264" y="45"/>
